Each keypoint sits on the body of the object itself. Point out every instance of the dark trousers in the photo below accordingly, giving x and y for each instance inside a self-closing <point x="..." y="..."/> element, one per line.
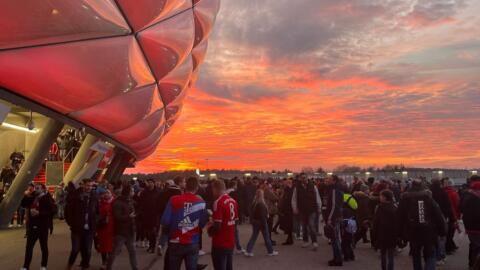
<point x="474" y="249"/>
<point x="222" y="259"/>
<point x="41" y="235"/>
<point x="347" y="246"/>
<point x="81" y="242"/>
<point x="177" y="254"/>
<point x="118" y="242"/>
<point x="450" y="245"/>
<point x="151" y="234"/>
<point x="428" y="252"/>
<point x="387" y="258"/>
<point x="308" y="222"/>
<point x="361" y="234"/>
<point x="270" y="226"/>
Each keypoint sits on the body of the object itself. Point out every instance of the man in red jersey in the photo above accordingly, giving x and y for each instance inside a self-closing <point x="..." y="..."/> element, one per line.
<point x="222" y="231"/>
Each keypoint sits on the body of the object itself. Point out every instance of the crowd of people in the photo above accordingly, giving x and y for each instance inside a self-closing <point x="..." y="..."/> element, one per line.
<point x="169" y="218"/>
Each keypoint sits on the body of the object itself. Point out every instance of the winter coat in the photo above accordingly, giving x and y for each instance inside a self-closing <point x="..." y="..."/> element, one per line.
<point x="286" y="211"/>
<point x="469" y="207"/>
<point x="334" y="211"/>
<point x="384" y="228"/>
<point x="409" y="214"/>
<point x="363" y="210"/>
<point x="105" y="232"/>
<point x="165" y="197"/>
<point x="259" y="213"/>
<point x="271" y="199"/>
<point x="454" y="202"/>
<point x="123" y="224"/>
<point x="306" y="200"/>
<point x="147" y="209"/>
<point x="441" y="197"/>
<point x="78" y="207"/>
<point x="45" y="205"/>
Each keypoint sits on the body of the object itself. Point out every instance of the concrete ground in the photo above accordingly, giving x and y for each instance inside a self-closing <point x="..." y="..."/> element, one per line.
<point x="12" y="244"/>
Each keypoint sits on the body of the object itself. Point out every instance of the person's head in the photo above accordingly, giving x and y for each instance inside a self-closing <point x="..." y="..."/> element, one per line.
<point x="150" y="184"/>
<point x="288" y="182"/>
<point x="126" y="190"/>
<point x="106" y="195"/>
<point x="179" y="181"/>
<point x="191" y="185"/>
<point x="218" y="188"/>
<point x="232" y="184"/>
<point x="31" y="187"/>
<point x="386" y="196"/>
<point x="259" y="196"/>
<point x="87" y="185"/>
<point x="39" y="188"/>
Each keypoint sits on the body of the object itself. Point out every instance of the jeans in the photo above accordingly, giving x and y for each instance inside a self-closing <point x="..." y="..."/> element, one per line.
<point x="474" y="249"/>
<point x="440" y="250"/>
<point x="297" y="225"/>
<point x="178" y="253"/>
<point x="20" y="215"/>
<point x="337" y="243"/>
<point x="60" y="211"/>
<point x="35" y="234"/>
<point x="118" y="242"/>
<point x="81" y="242"/>
<point x="238" y="246"/>
<point x="387" y="258"/>
<point x="222" y="259"/>
<point x="428" y="251"/>
<point x="257" y="227"/>
<point x="308" y="221"/>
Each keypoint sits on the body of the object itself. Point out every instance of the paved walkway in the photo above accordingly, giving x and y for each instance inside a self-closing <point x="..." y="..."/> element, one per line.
<point x="294" y="257"/>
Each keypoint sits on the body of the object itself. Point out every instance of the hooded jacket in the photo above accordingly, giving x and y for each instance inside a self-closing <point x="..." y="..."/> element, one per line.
<point x="469" y="207"/>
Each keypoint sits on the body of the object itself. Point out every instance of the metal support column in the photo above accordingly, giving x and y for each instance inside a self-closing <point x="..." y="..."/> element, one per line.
<point x="80" y="159"/>
<point x="28" y="170"/>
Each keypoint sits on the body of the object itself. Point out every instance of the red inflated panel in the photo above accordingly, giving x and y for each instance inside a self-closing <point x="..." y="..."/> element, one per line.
<point x="144" y="13"/>
<point x="74" y="76"/>
<point x="149" y="140"/>
<point x="142" y="129"/>
<point x="198" y="54"/>
<point x="172" y="85"/>
<point x="205" y="13"/>
<point x="119" y="112"/>
<point x="168" y="43"/>
<point x="37" y="22"/>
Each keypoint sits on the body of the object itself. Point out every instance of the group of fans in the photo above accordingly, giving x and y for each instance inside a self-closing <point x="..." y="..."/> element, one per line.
<point x="169" y="218"/>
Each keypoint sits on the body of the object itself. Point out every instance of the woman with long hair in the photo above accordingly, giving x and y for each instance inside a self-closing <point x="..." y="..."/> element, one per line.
<point x="259" y="218"/>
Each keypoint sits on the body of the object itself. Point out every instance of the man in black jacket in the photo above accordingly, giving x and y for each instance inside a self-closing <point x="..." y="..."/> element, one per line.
<point x="81" y="213"/>
<point x="421" y="222"/>
<point x="441" y="198"/>
<point x="334" y="218"/>
<point x="40" y="209"/>
<point x="469" y="206"/>
<point x="286" y="212"/>
<point x="124" y="227"/>
<point x="149" y="198"/>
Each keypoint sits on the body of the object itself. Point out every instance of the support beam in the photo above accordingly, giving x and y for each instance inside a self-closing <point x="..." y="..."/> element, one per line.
<point x="80" y="159"/>
<point x="90" y="168"/>
<point x="120" y="162"/>
<point x="28" y="170"/>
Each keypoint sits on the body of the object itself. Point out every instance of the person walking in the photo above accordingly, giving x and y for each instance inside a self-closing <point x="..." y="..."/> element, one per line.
<point x="232" y="188"/>
<point x="384" y="228"/>
<point x="441" y="198"/>
<point x="286" y="212"/>
<point x="420" y="222"/>
<point x="334" y="218"/>
<point x="469" y="206"/>
<point x="149" y="215"/>
<point x="182" y="220"/>
<point x="81" y="213"/>
<point x="123" y="212"/>
<point x="41" y="209"/>
<point x="258" y="219"/>
<point x="271" y="199"/>
<point x="306" y="202"/>
<point x="60" y="199"/>
<point x="349" y="225"/>
<point x="450" y="246"/>
<point x="104" y="232"/>
<point x="222" y="231"/>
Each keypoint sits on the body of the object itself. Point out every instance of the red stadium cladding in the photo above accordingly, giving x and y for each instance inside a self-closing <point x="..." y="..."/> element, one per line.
<point x="122" y="68"/>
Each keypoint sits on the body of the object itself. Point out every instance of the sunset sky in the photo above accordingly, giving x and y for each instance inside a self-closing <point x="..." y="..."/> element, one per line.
<point x="289" y="84"/>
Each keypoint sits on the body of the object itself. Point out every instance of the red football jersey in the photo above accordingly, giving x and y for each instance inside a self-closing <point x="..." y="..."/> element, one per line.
<point x="225" y="211"/>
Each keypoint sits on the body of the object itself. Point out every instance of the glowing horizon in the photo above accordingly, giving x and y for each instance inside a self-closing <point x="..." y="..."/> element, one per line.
<point x="327" y="83"/>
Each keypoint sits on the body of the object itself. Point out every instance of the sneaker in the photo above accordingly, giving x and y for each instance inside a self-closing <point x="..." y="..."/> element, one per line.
<point x="159" y="250"/>
<point x="334" y="263"/>
<point x="43" y="268"/>
<point x="315" y="246"/>
<point x="274" y="253"/>
<point x="248" y="254"/>
<point x="240" y="251"/>
<point x="306" y="245"/>
<point x="441" y="262"/>
<point x="201" y="253"/>
<point x="23" y="268"/>
<point x="201" y="266"/>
